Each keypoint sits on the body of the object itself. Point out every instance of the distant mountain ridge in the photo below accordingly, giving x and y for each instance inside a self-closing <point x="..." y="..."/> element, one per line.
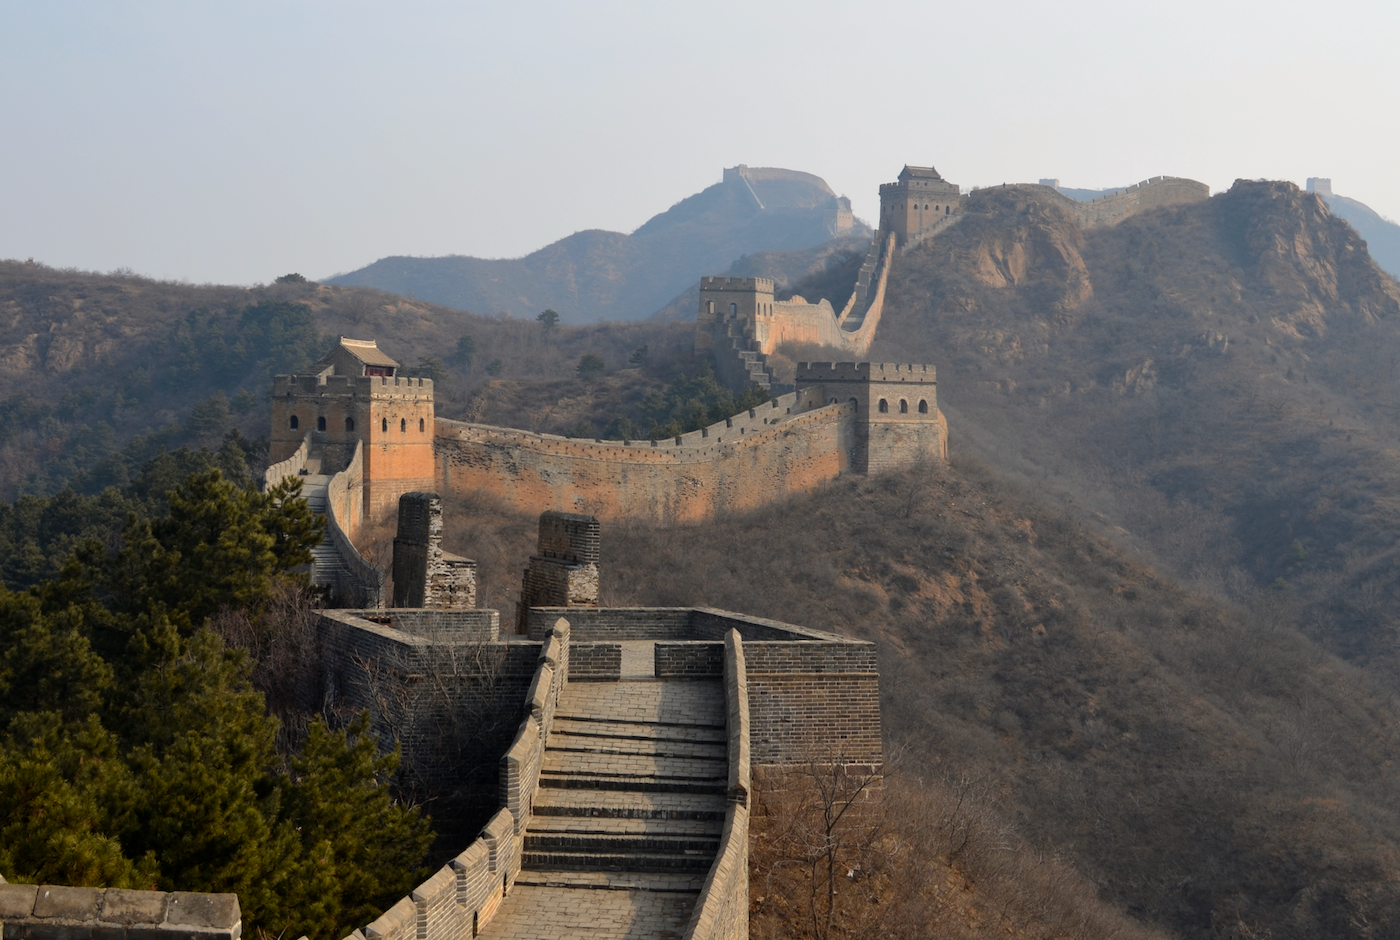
<point x="1382" y="235"/>
<point x="596" y="275"/>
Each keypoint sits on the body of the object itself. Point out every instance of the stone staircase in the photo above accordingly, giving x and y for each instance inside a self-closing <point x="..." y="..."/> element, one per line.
<point x="325" y="560"/>
<point x="629" y="811"/>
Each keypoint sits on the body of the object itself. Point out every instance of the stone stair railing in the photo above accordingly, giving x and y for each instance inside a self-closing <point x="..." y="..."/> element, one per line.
<point x="722" y="912"/>
<point x="359" y="583"/>
<point x="291" y="467"/>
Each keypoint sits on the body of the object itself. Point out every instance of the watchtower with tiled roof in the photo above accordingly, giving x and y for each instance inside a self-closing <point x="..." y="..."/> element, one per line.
<point x="917" y="201"/>
<point x="355" y="395"/>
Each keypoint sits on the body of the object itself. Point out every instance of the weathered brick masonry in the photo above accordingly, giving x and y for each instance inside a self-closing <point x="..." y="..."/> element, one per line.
<point x="424" y="574"/>
<point x="60" y="912"/>
<point x="736" y="465"/>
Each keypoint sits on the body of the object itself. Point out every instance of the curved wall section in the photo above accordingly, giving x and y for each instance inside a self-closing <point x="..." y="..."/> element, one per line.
<point x="738" y="464"/>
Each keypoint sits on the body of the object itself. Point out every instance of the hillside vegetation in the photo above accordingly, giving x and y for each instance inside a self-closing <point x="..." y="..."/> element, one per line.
<point x="1207" y="767"/>
<point x="1213" y="384"/>
<point x="106" y="371"/>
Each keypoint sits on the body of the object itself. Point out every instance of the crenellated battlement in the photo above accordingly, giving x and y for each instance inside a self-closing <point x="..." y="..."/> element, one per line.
<point x="354" y="386"/>
<point x="759" y="284"/>
<point x="865" y="372"/>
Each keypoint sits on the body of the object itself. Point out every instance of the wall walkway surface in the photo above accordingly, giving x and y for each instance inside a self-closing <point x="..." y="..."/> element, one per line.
<point x="736" y="465"/>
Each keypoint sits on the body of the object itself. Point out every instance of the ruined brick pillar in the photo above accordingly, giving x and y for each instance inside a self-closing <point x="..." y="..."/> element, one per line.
<point x="425" y="575"/>
<point x="564" y="573"/>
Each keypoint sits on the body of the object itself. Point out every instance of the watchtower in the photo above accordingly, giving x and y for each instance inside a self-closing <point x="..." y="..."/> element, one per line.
<point x="918" y="200"/>
<point x="354" y="395"/>
<point x="896" y="409"/>
<point x="730" y="300"/>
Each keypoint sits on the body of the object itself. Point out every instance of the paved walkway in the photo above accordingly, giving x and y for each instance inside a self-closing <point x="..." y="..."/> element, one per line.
<point x="628" y="815"/>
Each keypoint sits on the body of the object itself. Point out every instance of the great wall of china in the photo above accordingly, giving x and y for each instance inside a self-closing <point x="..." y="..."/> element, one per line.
<point x="637" y="743"/>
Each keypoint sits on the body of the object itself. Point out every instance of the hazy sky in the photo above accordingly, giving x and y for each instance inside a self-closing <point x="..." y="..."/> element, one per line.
<point x="239" y="142"/>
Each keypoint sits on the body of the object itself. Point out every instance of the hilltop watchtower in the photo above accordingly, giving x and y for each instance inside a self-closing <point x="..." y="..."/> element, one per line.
<point x="897" y="421"/>
<point x="354" y="395"/>
<point x="917" y="201"/>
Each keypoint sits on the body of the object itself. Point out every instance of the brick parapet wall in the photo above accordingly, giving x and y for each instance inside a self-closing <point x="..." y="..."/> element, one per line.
<point x="693" y="660"/>
<point x="290" y="467"/>
<point x="461" y="897"/>
<point x="668" y="623"/>
<point x="358" y="583"/>
<point x="421" y="676"/>
<point x="749" y="461"/>
<point x="595" y="662"/>
<point x="60" y="912"/>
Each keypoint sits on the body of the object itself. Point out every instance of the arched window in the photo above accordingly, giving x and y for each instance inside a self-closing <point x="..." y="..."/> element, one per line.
<point x="420" y="425"/>
<point x="923" y="407"/>
<point x="903" y="407"/>
<point x="710" y="307"/>
<point x="947" y="209"/>
<point x="383" y="424"/>
<point x="321" y="423"/>
<point x="884" y="406"/>
<point x="293" y="423"/>
<point x="733" y="310"/>
<point x="403" y="424"/>
<point x="349" y="424"/>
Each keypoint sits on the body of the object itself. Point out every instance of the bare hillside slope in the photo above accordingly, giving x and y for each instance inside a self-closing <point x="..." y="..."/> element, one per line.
<point x="1215" y="383"/>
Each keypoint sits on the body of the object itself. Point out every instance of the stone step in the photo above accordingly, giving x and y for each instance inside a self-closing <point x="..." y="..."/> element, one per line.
<point x="628" y="862"/>
<point x="622" y="804"/>
<point x="620" y="845"/>
<point x="682" y="703"/>
<point x="648" y="784"/>
<point x="633" y="765"/>
<point x="661" y="882"/>
<point x="617" y="827"/>
<point x="600" y="744"/>
<point x="640" y="730"/>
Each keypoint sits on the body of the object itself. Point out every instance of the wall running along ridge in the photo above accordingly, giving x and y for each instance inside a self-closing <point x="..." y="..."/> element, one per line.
<point x="735" y="465"/>
<point x="1154" y="193"/>
<point x="741" y="339"/>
